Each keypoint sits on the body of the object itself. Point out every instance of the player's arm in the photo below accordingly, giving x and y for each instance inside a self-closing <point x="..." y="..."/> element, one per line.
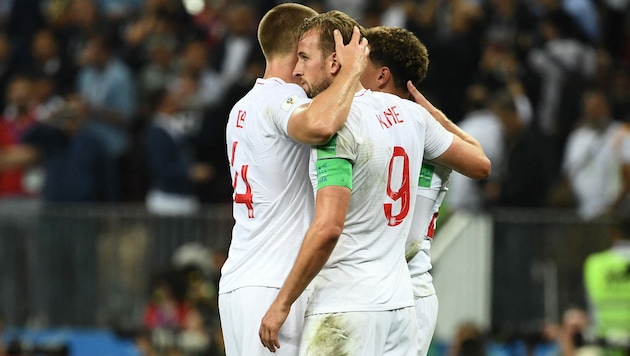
<point x="318" y="121"/>
<point x="331" y="205"/>
<point x="459" y="157"/>
<point x="465" y="155"/>
<point x="319" y="242"/>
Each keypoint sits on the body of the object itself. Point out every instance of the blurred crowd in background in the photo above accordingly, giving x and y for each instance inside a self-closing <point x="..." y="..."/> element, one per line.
<point x="127" y="101"/>
<point x="118" y="101"/>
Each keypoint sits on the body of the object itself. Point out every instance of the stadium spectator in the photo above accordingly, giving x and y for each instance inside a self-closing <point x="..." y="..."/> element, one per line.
<point x="452" y="32"/>
<point x="74" y="22"/>
<point x="596" y="161"/>
<point x="156" y="23"/>
<point x="46" y="99"/>
<point x="166" y="311"/>
<point x="485" y="124"/>
<point x="47" y="59"/>
<point x="75" y="168"/>
<point x="7" y="67"/>
<point x="469" y="341"/>
<point x="510" y="23"/>
<point x="23" y="20"/>
<point x="158" y="72"/>
<point x="566" y="67"/>
<point x="607" y="283"/>
<point x="17" y="117"/>
<point x="173" y="171"/>
<point x="195" y="62"/>
<point x="107" y="86"/>
<point x="230" y="55"/>
<point x="71" y="152"/>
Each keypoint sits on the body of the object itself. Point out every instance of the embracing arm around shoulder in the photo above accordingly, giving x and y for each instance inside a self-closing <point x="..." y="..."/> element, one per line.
<point x="461" y="157"/>
<point x="317" y="122"/>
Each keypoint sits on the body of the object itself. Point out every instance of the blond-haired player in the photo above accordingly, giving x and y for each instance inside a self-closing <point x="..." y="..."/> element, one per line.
<point x="267" y="136"/>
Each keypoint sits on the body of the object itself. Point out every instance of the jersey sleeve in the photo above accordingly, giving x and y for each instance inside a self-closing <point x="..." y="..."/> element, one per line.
<point x="438" y="139"/>
<point x="282" y="104"/>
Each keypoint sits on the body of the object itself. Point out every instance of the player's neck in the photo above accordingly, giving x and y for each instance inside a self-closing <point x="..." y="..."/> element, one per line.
<point x="359" y="87"/>
<point x="280" y="68"/>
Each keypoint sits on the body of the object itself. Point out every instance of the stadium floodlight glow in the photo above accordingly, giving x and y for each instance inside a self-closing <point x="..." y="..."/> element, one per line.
<point x="194" y="6"/>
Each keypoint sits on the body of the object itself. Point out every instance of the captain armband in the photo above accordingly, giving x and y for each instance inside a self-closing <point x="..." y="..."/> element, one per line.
<point x="334" y="172"/>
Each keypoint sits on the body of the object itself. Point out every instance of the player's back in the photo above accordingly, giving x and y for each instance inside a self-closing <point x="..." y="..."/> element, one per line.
<point x="385" y="141"/>
<point x="273" y="198"/>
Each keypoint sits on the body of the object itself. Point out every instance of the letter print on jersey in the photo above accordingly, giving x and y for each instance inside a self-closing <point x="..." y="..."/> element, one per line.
<point x="332" y="170"/>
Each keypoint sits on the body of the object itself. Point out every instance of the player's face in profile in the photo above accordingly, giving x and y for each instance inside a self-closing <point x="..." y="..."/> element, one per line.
<point x="311" y="67"/>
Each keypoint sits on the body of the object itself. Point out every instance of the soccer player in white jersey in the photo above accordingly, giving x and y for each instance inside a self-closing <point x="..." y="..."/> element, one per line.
<point x="353" y="252"/>
<point x="267" y="136"/>
<point x="398" y="59"/>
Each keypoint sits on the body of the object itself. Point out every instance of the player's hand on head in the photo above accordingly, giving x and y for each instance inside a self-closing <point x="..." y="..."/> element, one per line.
<point x="355" y="54"/>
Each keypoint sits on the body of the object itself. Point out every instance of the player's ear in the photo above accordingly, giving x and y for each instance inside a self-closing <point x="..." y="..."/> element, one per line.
<point x="335" y="66"/>
<point x="384" y="77"/>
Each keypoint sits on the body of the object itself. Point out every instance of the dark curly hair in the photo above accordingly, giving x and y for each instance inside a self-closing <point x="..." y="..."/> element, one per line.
<point x="401" y="51"/>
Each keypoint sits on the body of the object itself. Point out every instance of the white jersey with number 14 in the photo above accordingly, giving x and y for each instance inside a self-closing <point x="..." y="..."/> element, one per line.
<point x="273" y="204"/>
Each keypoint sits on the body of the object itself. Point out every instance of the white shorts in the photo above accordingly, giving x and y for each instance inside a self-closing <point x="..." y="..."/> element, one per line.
<point x="427" y="313"/>
<point x="241" y="312"/>
<point x="381" y="333"/>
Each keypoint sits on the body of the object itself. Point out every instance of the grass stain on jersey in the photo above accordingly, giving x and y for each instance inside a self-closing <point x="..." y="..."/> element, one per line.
<point x="413" y="250"/>
<point x="331" y="337"/>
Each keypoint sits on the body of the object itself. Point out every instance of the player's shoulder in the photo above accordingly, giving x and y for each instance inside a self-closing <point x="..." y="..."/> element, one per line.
<point x="279" y="85"/>
<point x="273" y="94"/>
<point x="366" y="99"/>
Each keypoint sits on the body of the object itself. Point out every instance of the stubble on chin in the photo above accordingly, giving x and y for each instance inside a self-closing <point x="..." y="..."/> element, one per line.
<point x="317" y="88"/>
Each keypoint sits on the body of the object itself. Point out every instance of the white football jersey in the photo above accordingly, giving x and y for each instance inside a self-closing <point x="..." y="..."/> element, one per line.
<point x="273" y="197"/>
<point x="385" y="139"/>
<point x="432" y="186"/>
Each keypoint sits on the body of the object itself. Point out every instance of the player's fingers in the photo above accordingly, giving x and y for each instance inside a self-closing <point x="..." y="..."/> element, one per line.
<point x="356" y="35"/>
<point x="338" y="38"/>
<point x="417" y="96"/>
<point x="262" y="334"/>
<point x="414" y="91"/>
<point x="364" y="43"/>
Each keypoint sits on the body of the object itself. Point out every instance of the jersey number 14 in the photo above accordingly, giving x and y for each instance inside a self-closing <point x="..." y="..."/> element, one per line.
<point x="246" y="198"/>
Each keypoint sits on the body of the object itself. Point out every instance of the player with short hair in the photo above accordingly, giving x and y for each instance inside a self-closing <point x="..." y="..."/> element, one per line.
<point x="267" y="135"/>
<point x="398" y="57"/>
<point x="362" y="299"/>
